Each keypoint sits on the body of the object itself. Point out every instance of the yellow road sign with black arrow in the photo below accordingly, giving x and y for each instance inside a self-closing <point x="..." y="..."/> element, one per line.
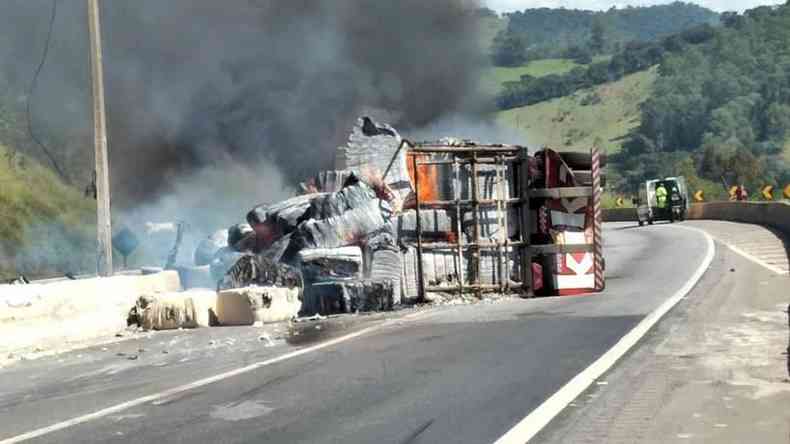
<point x="767" y="192"/>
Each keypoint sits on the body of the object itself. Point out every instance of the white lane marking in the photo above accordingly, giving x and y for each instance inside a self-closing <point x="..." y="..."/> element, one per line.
<point x="755" y="259"/>
<point x="534" y="422"/>
<point x="196" y="384"/>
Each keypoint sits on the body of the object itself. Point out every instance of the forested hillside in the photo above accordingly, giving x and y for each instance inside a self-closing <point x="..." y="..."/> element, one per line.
<point x="722" y="106"/>
<point x="550" y="33"/>
<point x="635" y="57"/>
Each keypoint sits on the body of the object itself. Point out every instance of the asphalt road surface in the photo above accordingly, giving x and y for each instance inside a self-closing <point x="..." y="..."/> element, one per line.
<point x="452" y="374"/>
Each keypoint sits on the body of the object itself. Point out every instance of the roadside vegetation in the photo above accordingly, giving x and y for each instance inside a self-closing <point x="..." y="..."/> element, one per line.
<point x="707" y="100"/>
<point x="46" y="226"/>
<point x="723" y="105"/>
<point x="543" y="33"/>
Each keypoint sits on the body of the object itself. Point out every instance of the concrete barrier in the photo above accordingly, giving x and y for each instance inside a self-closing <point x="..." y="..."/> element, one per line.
<point x="619" y="215"/>
<point x="771" y="214"/>
<point x="60" y="315"/>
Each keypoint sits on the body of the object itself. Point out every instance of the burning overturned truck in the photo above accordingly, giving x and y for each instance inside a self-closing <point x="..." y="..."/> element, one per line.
<point x="400" y="222"/>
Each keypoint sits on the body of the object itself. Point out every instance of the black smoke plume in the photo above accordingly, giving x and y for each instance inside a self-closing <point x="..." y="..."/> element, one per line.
<point x="201" y="84"/>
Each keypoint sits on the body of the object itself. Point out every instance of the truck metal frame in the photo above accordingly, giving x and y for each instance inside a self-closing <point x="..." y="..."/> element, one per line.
<point x="515" y="195"/>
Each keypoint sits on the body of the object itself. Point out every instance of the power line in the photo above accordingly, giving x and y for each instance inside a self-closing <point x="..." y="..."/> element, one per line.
<point x="32" y="88"/>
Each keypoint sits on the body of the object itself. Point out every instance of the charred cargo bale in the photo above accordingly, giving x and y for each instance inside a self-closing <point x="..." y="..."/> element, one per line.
<point x="327" y="265"/>
<point x="370" y="295"/>
<point x="271" y="222"/>
<point x="275" y="251"/>
<point x="350" y="297"/>
<point x="208" y="247"/>
<point x="325" y="298"/>
<point x="322" y="264"/>
<point x="237" y="232"/>
<point x="241" y="237"/>
<point x="252" y="270"/>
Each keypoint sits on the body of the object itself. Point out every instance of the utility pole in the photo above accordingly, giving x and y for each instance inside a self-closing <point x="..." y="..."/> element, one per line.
<point x="103" y="225"/>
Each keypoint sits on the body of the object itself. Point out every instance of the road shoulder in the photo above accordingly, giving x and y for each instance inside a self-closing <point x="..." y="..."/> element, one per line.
<point x="714" y="370"/>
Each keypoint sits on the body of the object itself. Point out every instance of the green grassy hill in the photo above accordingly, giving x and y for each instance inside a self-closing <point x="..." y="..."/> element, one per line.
<point x="45" y="225"/>
<point x="495" y="76"/>
<point x="606" y="112"/>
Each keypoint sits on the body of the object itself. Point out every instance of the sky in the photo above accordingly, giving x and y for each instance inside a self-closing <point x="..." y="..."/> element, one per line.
<point x="716" y="5"/>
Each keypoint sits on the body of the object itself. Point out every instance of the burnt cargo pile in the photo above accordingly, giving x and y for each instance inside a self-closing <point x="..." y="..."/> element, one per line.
<point x="400" y="223"/>
<point x="337" y="242"/>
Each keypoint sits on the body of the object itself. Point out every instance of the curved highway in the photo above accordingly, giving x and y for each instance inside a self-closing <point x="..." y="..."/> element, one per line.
<point x="460" y="374"/>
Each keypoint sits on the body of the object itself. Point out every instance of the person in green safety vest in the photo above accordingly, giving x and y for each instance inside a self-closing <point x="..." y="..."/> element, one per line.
<point x="661" y="196"/>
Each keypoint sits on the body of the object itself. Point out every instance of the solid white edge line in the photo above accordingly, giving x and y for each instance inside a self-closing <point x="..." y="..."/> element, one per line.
<point x="196" y="384"/>
<point x="755" y="259"/>
<point x="536" y="420"/>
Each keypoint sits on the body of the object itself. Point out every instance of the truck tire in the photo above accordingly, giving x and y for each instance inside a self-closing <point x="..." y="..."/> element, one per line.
<point x="579" y="160"/>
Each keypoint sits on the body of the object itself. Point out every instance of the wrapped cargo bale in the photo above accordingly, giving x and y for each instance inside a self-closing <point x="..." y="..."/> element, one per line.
<point x="439" y="267"/>
<point x="249" y="305"/>
<point x="385" y="262"/>
<point x="436" y="225"/>
<point x="339" y="230"/>
<point x="375" y="146"/>
<point x="148" y="311"/>
<point x="168" y="312"/>
<point x="489" y="187"/>
<point x="208" y="247"/>
<point x="491" y="263"/>
<point x="331" y="181"/>
<point x="354" y="194"/>
<point x="409" y="274"/>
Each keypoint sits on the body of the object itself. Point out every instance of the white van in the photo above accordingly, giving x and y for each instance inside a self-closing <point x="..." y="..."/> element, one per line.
<point x="647" y="209"/>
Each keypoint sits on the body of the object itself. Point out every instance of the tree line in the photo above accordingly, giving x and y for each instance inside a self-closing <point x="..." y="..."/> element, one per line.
<point x="636" y="56"/>
<point x="541" y="33"/>
<point x="720" y="110"/>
